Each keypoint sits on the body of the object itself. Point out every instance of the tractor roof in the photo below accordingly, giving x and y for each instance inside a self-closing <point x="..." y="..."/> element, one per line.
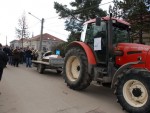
<point x="107" y="18"/>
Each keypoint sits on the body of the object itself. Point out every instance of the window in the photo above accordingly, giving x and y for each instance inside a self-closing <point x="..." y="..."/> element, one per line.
<point x="120" y="35"/>
<point x="83" y="32"/>
<point x="90" y="31"/>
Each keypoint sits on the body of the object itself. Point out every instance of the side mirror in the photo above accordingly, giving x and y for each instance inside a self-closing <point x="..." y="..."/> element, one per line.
<point x="98" y="21"/>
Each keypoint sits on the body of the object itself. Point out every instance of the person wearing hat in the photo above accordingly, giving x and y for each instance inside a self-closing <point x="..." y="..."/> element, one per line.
<point x="3" y="60"/>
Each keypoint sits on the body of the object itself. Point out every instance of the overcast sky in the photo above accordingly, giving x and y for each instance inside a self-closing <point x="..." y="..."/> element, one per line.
<point x="12" y="10"/>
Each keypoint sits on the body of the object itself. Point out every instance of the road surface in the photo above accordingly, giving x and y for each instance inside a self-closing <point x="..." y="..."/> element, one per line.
<point x="24" y="90"/>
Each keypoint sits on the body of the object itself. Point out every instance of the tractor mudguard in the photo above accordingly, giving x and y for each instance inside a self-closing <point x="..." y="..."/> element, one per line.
<point x="89" y="53"/>
<point x="121" y="69"/>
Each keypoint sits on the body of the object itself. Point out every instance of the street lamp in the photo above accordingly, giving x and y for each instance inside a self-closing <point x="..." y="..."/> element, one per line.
<point x="42" y="22"/>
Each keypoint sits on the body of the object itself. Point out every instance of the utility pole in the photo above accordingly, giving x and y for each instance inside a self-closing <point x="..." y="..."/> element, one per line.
<point x="22" y="38"/>
<point x="41" y="38"/>
<point x="41" y="35"/>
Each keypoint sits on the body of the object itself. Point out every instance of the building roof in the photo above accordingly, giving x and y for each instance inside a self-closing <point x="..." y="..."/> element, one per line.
<point x="45" y="36"/>
<point x="13" y="41"/>
<point x="24" y="40"/>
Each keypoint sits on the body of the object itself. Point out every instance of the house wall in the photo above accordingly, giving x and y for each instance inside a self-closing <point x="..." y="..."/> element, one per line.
<point x="33" y="44"/>
<point x="14" y="44"/>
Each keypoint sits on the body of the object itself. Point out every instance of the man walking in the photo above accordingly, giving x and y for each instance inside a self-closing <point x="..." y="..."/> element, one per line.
<point x="28" y="55"/>
<point x="3" y="60"/>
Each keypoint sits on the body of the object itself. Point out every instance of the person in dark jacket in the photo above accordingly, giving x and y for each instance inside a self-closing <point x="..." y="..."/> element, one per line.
<point x="21" y="55"/>
<point x="28" y="55"/>
<point x="10" y="56"/>
<point x="3" y="61"/>
<point x="6" y="49"/>
<point x="16" y="56"/>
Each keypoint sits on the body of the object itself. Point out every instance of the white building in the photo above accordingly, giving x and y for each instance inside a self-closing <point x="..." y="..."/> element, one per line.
<point x="14" y="43"/>
<point x="48" y="41"/>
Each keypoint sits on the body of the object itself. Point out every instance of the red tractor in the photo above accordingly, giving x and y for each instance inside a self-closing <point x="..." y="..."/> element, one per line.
<point x="106" y="55"/>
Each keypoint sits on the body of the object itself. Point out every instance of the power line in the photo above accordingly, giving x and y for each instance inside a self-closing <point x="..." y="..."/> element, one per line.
<point x="33" y="25"/>
<point x="95" y="6"/>
<point x="55" y="31"/>
<point x="106" y="3"/>
<point x="55" y="25"/>
<point x="83" y="9"/>
<point x="71" y="15"/>
<point x="78" y="11"/>
<point x="51" y="17"/>
<point x="55" y="22"/>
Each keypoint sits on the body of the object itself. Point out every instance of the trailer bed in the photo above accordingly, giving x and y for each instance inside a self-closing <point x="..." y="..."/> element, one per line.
<point x="52" y="63"/>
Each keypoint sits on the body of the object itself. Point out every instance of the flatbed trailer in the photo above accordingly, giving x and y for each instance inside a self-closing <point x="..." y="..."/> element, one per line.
<point x="52" y="63"/>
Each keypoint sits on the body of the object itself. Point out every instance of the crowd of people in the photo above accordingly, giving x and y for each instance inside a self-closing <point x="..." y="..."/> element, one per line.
<point x="18" y="55"/>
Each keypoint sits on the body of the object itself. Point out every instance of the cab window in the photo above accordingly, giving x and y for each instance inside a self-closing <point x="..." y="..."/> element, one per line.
<point x="120" y="33"/>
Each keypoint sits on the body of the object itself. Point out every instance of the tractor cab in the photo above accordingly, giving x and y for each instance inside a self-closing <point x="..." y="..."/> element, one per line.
<point x="103" y="35"/>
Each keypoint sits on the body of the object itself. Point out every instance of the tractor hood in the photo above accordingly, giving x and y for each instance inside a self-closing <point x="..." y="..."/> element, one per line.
<point x="131" y="53"/>
<point x="134" y="47"/>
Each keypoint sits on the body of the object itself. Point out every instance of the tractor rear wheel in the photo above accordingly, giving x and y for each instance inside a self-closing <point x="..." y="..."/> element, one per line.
<point x="75" y="69"/>
<point x="133" y="93"/>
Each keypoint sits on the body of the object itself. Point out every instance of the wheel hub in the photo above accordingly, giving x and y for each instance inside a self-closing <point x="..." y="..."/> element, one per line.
<point x="78" y="68"/>
<point x="73" y="68"/>
<point x="137" y="92"/>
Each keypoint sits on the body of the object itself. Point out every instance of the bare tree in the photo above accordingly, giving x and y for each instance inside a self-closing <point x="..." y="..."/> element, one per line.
<point x="22" y="29"/>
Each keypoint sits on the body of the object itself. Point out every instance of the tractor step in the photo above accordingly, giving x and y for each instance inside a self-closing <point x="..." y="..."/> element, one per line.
<point x="101" y="75"/>
<point x="99" y="72"/>
<point x="104" y="79"/>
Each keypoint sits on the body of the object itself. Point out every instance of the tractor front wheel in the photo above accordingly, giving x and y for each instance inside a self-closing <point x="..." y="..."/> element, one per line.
<point x="75" y="69"/>
<point x="133" y="93"/>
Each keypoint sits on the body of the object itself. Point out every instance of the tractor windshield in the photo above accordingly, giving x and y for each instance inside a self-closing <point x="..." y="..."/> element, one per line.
<point x="120" y="35"/>
<point x="91" y="31"/>
<point x="83" y="32"/>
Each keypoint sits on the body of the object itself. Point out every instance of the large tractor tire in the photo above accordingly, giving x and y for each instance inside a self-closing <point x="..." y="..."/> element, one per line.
<point x="75" y="69"/>
<point x="133" y="93"/>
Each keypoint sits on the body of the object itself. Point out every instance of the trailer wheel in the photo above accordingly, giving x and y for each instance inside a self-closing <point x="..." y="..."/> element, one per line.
<point x="133" y="93"/>
<point x="75" y="69"/>
<point x="40" y="68"/>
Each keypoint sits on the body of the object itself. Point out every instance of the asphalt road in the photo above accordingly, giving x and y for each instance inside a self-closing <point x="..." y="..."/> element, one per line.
<point x="24" y="90"/>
